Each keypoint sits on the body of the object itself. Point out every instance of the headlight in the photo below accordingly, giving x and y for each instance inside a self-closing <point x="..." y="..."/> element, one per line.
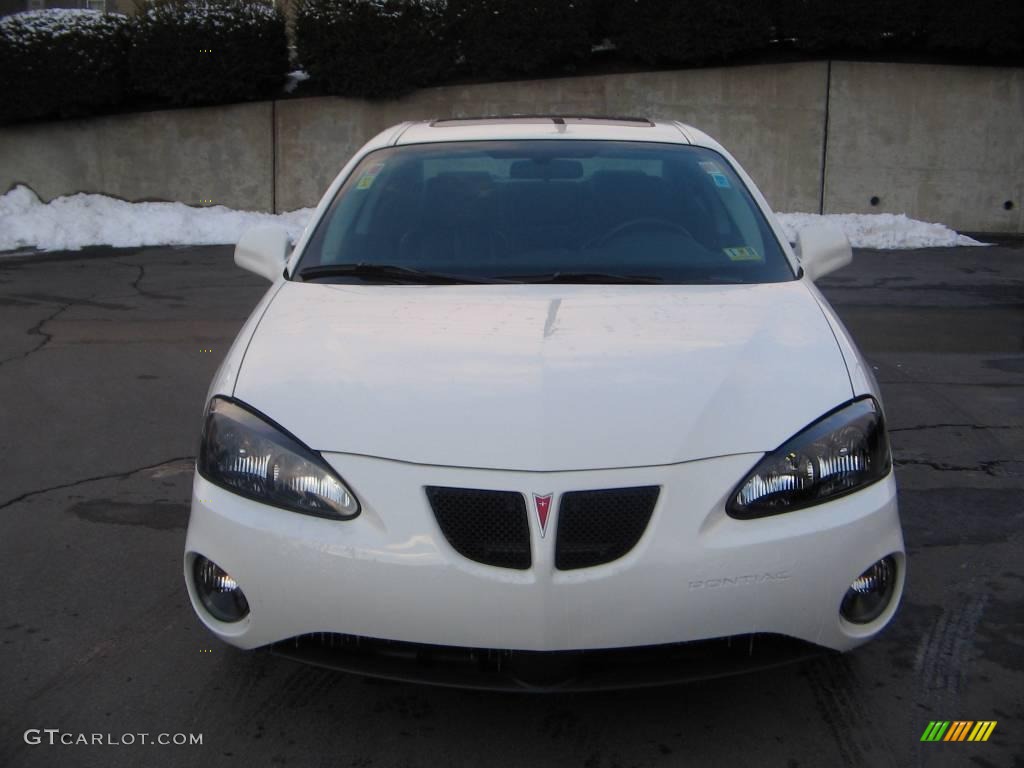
<point x="247" y="454"/>
<point x="838" y="454"/>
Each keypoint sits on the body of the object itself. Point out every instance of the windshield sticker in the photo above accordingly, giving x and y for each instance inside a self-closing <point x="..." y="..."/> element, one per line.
<point x="369" y="176"/>
<point x="746" y="253"/>
<point x="711" y="169"/>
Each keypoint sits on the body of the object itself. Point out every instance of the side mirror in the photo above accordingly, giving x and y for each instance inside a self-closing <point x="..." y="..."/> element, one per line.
<point x="263" y="251"/>
<point x="822" y="249"/>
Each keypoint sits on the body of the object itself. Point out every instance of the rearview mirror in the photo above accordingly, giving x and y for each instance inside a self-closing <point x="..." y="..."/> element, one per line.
<point x="822" y="249"/>
<point x="263" y="251"/>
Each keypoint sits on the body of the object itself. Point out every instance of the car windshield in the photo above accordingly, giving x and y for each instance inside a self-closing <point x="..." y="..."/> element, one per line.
<point x="544" y="211"/>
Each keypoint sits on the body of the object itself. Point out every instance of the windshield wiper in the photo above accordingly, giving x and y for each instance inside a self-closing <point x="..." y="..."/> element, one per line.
<point x="581" y="278"/>
<point x="387" y="272"/>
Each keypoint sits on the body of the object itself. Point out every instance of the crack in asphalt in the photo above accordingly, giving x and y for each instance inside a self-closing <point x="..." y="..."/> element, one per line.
<point x="139" y="278"/>
<point x="110" y="476"/>
<point x="37" y="330"/>
<point x="65" y="303"/>
<point x="47" y="298"/>
<point x="988" y="467"/>
<point x="953" y="426"/>
<point x="927" y="383"/>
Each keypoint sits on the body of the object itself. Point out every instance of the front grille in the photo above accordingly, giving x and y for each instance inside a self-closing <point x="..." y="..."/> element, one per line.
<point x="597" y="527"/>
<point x="486" y="526"/>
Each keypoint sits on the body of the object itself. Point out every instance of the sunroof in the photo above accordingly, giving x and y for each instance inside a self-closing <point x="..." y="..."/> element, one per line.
<point x="635" y="122"/>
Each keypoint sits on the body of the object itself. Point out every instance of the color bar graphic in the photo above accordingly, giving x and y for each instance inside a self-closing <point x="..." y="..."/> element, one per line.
<point x="935" y="730"/>
<point x="958" y="730"/>
<point x="982" y="730"/>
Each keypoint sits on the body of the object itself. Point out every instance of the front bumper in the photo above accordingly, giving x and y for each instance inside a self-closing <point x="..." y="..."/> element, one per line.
<point x="696" y="574"/>
<point x="547" y="671"/>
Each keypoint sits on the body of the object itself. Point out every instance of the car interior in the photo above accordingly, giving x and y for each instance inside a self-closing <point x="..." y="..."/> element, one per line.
<point x="480" y="212"/>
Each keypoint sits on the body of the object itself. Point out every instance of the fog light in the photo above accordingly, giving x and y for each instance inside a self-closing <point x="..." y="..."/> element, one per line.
<point x="870" y="592"/>
<point x="218" y="592"/>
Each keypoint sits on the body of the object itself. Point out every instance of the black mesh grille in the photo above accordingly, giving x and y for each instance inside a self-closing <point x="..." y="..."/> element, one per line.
<point x="597" y="527"/>
<point x="487" y="526"/>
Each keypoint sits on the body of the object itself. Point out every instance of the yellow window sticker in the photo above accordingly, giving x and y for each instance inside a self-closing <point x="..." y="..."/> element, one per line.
<point x="369" y="176"/>
<point x="746" y="253"/>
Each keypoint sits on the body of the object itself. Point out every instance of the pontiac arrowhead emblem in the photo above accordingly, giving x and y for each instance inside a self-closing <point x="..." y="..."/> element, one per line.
<point x="543" y="504"/>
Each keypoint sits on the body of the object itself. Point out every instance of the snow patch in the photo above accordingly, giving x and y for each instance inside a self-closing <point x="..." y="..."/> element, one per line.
<point x="76" y="221"/>
<point x="878" y="230"/>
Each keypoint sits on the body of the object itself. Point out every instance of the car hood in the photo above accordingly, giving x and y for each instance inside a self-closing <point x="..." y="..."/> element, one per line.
<point x="543" y="377"/>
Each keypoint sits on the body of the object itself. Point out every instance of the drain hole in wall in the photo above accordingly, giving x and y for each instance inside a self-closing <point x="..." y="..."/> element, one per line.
<point x="1008" y="205"/>
<point x="875" y="200"/>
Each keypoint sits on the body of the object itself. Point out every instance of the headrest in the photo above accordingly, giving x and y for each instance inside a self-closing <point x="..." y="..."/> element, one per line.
<point x="557" y="168"/>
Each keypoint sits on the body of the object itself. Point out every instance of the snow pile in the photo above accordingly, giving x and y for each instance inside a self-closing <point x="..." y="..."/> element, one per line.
<point x="294" y="78"/>
<point x="393" y="9"/>
<point x="878" y="230"/>
<point x="20" y="29"/>
<point x="76" y="221"/>
<point x="216" y="14"/>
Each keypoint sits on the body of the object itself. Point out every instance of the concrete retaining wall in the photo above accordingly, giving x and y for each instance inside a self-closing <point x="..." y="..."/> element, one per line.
<point x="223" y="154"/>
<point x="938" y="143"/>
<point x="771" y="118"/>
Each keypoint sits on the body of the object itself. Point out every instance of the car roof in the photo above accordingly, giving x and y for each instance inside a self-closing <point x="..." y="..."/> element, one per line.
<point x="525" y="127"/>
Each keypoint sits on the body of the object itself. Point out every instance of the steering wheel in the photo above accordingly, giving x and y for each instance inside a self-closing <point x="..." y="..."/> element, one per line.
<point x="649" y="222"/>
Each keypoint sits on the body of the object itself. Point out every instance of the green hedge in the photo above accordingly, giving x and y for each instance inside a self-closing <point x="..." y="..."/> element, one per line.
<point x="854" y="27"/>
<point x="65" y="63"/>
<point x="61" y="63"/>
<point x="987" y="29"/>
<point x="506" y="38"/>
<point x="380" y="48"/>
<point x="185" y="54"/>
<point x="667" y="32"/>
<point x="372" y="48"/>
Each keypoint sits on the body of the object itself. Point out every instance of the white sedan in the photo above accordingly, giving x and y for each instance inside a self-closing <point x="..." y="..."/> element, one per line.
<point x="548" y="403"/>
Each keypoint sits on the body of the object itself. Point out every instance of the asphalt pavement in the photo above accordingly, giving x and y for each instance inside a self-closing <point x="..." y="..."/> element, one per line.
<point x="105" y="357"/>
